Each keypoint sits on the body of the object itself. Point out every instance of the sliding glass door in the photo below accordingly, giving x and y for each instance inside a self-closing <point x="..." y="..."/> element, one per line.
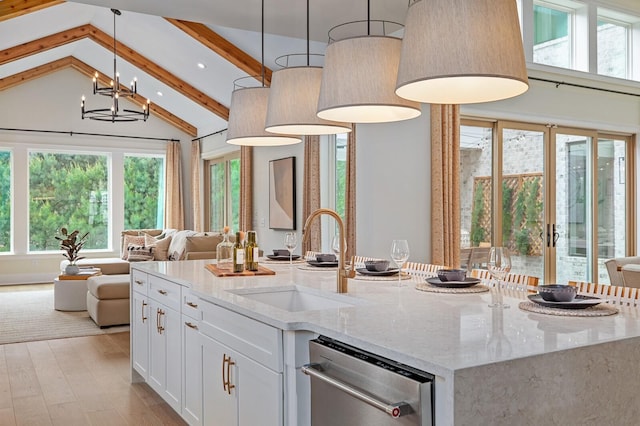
<point x="558" y="198"/>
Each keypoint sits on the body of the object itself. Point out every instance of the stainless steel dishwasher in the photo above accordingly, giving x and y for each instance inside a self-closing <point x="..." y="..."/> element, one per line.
<point x="356" y="388"/>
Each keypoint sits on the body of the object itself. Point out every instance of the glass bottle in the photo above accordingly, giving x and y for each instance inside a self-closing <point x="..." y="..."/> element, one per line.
<point x="251" y="252"/>
<point x="224" y="252"/>
<point x="238" y="254"/>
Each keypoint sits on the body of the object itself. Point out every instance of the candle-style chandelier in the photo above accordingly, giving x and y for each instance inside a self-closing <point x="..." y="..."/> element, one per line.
<point x="115" y="91"/>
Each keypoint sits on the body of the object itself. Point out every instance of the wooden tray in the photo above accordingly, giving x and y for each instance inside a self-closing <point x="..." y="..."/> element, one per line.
<point x="225" y="273"/>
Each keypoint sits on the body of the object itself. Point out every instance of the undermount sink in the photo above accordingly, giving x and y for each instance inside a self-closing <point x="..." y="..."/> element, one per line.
<point x="297" y="298"/>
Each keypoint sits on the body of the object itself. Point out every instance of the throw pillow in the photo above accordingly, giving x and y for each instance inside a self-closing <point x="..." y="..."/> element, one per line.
<point x="139" y="253"/>
<point x="128" y="240"/>
<point x="202" y="243"/>
<point x="160" y="246"/>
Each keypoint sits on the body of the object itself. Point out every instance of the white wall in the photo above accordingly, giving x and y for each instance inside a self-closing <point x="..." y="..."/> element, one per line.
<point x="268" y="239"/>
<point x="53" y="103"/>
<point x="393" y="187"/>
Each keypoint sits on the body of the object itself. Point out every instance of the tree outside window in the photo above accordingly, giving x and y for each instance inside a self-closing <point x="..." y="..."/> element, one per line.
<point x="143" y="192"/>
<point x="68" y="190"/>
<point x="5" y="201"/>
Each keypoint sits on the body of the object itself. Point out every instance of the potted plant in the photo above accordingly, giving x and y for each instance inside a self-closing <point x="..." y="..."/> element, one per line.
<point x="72" y="245"/>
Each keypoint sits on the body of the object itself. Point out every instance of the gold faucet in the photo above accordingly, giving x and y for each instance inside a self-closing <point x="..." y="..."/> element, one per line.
<point x="343" y="274"/>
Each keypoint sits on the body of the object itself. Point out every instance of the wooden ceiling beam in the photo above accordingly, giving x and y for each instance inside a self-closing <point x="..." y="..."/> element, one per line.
<point x="43" y="44"/>
<point x="13" y="8"/>
<point x="34" y="73"/>
<point x="224" y="48"/>
<point x="126" y="53"/>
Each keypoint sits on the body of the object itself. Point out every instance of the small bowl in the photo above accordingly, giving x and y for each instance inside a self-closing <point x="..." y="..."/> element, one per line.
<point x="452" y="274"/>
<point x="327" y="257"/>
<point x="557" y="292"/>
<point x="376" y="265"/>
<point x="280" y="252"/>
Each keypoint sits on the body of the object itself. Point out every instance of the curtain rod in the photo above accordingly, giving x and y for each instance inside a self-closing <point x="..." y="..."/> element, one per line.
<point x="564" y="83"/>
<point x="210" y="134"/>
<point x="71" y="133"/>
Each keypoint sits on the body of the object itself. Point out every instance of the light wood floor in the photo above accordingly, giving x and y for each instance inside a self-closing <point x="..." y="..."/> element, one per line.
<point x="76" y="381"/>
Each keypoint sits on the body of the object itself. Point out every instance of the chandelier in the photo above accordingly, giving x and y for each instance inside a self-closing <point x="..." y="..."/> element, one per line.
<point x="115" y="91"/>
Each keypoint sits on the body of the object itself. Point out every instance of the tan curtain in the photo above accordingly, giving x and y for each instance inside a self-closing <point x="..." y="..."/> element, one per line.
<point x="196" y="171"/>
<point x="350" y="194"/>
<point x="311" y="191"/>
<point x="445" y="185"/>
<point x="173" y="207"/>
<point x="246" y="188"/>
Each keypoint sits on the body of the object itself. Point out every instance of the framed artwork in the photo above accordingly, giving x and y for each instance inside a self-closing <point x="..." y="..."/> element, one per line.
<point x="282" y="193"/>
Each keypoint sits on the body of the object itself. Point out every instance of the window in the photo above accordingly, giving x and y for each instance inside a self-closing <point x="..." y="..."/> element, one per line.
<point x="68" y="190"/>
<point x="552" y="35"/>
<point x="143" y="192"/>
<point x="613" y="47"/>
<point x="5" y="201"/>
<point x="222" y="189"/>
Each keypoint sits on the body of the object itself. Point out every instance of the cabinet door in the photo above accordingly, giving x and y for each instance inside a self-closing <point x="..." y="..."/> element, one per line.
<point x="157" y="348"/>
<point x="260" y="393"/>
<point x="192" y="384"/>
<point x="220" y="406"/>
<point x="165" y="353"/>
<point x="171" y="322"/>
<point x="140" y="320"/>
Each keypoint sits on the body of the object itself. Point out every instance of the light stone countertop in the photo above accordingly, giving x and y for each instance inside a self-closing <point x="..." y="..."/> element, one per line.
<point x="438" y="333"/>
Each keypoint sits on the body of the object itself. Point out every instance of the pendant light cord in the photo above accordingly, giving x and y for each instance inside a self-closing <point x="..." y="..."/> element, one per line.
<point x="307" y="32"/>
<point x="368" y="17"/>
<point x="262" y="28"/>
<point x="114" y="44"/>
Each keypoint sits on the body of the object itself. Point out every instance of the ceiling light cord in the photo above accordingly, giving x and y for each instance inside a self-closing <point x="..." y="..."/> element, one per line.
<point x="307" y="32"/>
<point x="368" y="17"/>
<point x="262" y="40"/>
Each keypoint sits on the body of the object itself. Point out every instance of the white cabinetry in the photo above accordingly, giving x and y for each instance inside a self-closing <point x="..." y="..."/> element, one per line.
<point x="165" y="341"/>
<point x="192" y="359"/>
<point x="242" y="370"/>
<point x="140" y="320"/>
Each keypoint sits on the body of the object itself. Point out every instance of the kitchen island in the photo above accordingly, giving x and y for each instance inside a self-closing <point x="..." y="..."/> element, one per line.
<point x="492" y="366"/>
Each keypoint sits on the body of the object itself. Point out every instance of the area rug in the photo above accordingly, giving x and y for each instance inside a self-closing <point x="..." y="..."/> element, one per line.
<point x="29" y="315"/>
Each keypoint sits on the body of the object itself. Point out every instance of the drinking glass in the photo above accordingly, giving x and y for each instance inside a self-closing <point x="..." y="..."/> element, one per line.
<point x="335" y="245"/>
<point x="290" y="242"/>
<point x="400" y="254"/>
<point x="499" y="266"/>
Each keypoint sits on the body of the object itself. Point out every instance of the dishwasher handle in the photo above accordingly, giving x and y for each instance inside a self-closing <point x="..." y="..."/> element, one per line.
<point x="395" y="410"/>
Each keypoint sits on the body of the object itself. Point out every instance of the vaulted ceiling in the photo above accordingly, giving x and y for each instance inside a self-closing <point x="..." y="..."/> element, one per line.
<point x="162" y="43"/>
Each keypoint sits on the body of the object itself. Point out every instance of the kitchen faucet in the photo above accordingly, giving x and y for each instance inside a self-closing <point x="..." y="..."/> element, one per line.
<point x="343" y="274"/>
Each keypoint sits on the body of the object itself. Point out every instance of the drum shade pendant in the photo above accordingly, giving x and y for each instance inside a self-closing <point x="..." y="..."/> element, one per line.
<point x="359" y="77"/>
<point x="248" y="114"/>
<point x="293" y="100"/>
<point x="461" y="52"/>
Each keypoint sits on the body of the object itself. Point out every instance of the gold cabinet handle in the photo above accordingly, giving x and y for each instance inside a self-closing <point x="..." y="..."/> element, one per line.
<point x="191" y="304"/>
<point x="191" y="325"/>
<point x="160" y="313"/>
<point x="139" y="282"/>
<point x="224" y="381"/>
<point x="158" y="320"/>
<point x="226" y="384"/>
<point x="143" y="317"/>
<point x="162" y="292"/>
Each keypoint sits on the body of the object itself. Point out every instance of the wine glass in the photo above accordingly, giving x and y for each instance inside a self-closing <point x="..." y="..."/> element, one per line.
<point x="499" y="266"/>
<point x="335" y="245"/>
<point x="290" y="242"/>
<point x="400" y="254"/>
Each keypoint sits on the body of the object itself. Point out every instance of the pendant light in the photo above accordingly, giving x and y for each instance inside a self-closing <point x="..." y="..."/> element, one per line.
<point x="248" y="113"/>
<point x="358" y="81"/>
<point x="461" y="52"/>
<point x="293" y="100"/>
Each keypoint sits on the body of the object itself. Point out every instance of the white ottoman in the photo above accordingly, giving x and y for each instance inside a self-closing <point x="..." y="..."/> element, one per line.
<point x="108" y="299"/>
<point x="70" y="295"/>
